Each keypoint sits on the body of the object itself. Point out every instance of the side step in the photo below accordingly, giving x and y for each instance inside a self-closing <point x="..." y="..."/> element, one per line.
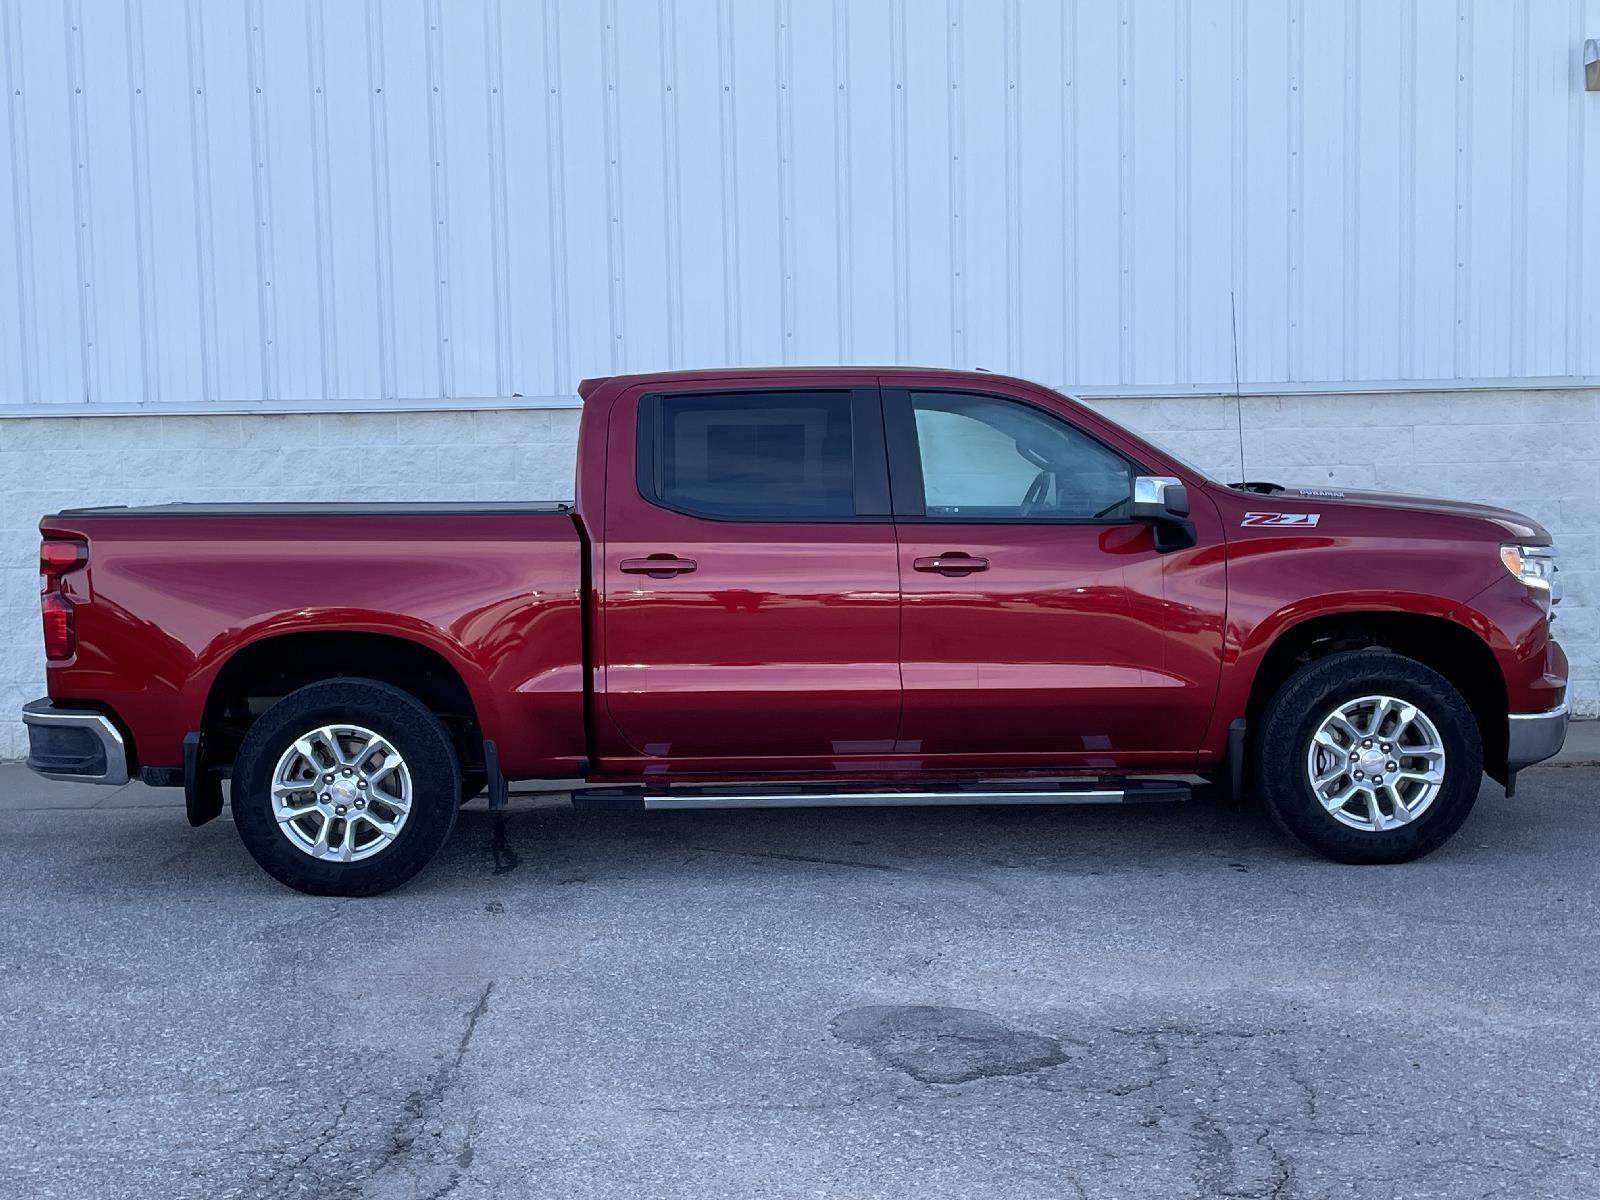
<point x="876" y="795"/>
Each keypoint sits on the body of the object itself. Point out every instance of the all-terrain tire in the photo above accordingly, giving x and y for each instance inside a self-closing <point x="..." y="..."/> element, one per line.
<point x="396" y="716"/>
<point x="1283" y="742"/>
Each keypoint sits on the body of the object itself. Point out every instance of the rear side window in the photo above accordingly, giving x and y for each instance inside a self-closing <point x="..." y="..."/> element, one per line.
<point x="750" y="455"/>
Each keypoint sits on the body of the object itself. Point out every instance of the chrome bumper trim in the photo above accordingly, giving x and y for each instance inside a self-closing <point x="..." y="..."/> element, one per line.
<point x="1533" y="737"/>
<point x="41" y="714"/>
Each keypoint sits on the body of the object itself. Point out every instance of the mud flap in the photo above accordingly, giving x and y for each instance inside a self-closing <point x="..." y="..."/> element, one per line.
<point x="1235" y="761"/>
<point x="202" y="784"/>
<point x="499" y="791"/>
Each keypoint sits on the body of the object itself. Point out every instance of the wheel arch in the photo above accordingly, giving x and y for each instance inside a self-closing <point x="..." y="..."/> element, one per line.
<point x="260" y="672"/>
<point x="1436" y="641"/>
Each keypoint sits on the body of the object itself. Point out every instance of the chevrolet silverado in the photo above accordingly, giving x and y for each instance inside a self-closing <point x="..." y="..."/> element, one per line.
<point x="805" y="587"/>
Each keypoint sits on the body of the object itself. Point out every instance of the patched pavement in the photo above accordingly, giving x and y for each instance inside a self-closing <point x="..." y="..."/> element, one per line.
<point x="1163" y="1001"/>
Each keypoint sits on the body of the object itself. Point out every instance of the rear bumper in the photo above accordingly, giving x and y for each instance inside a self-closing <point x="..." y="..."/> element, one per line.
<point x="1534" y="737"/>
<point x="74" y="743"/>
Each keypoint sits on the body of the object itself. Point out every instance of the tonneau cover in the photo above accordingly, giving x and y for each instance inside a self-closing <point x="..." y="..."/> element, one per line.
<point x="270" y="509"/>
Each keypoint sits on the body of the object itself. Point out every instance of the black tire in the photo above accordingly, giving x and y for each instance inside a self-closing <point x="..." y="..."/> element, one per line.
<point x="1290" y="721"/>
<point x="419" y="737"/>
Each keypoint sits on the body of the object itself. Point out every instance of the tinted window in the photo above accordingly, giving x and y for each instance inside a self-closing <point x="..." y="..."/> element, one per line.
<point x="986" y="457"/>
<point x="755" y="455"/>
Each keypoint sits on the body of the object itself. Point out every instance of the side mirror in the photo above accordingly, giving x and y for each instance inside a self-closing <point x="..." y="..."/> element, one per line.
<point x="1164" y="501"/>
<point x="1159" y="498"/>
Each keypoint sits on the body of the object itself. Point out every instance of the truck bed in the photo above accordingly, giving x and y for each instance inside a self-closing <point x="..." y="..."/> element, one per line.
<point x="172" y="592"/>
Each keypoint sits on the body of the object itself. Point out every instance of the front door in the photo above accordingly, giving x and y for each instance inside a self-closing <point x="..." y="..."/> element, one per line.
<point x="750" y="586"/>
<point x="1036" y="614"/>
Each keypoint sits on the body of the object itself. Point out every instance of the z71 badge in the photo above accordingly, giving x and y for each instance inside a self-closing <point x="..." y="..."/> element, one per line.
<point x="1301" y="519"/>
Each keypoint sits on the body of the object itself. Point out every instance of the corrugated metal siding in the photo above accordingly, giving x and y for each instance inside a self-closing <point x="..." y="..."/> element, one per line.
<point x="255" y="203"/>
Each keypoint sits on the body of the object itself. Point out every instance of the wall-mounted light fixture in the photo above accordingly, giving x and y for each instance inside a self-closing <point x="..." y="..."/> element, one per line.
<point x="1591" y="65"/>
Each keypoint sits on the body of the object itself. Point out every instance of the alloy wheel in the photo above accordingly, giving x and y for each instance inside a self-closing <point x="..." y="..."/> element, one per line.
<point x="341" y="793"/>
<point x="1376" y="763"/>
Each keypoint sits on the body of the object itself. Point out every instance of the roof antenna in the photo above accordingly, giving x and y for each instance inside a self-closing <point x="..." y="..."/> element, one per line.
<point x="1238" y="403"/>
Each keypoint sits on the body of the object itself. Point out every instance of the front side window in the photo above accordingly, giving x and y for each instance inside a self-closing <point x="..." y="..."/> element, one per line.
<point x="984" y="457"/>
<point x="753" y="455"/>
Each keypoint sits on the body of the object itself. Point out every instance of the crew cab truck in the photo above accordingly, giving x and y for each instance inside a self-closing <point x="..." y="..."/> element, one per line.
<point x="806" y="587"/>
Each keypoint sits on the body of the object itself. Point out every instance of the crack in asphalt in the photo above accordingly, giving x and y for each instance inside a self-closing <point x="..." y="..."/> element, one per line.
<point x="1217" y="1166"/>
<point x="420" y="1162"/>
<point x="1235" y="1156"/>
<point x="1224" y="1167"/>
<point x="287" y="1175"/>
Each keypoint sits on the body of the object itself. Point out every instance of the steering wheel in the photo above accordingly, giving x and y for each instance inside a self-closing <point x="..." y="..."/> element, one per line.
<point x="1035" y="493"/>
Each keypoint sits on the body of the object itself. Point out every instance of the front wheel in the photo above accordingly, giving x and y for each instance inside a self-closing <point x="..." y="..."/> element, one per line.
<point x="347" y="787"/>
<point x="1368" y="757"/>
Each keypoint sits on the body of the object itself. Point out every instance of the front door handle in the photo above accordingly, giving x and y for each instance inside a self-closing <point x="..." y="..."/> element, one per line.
<point x="658" y="566"/>
<point x="953" y="563"/>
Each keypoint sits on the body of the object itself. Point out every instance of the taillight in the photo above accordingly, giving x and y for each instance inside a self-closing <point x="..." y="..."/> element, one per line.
<point x="58" y="557"/>
<point x="60" y="639"/>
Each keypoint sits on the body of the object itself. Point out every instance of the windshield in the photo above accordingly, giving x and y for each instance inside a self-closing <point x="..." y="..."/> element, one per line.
<point x="1180" y="459"/>
<point x="1173" y="454"/>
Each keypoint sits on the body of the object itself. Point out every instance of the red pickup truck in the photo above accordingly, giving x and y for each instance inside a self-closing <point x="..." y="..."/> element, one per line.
<point x="806" y="587"/>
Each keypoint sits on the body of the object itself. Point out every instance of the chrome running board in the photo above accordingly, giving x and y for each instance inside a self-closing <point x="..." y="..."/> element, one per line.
<point x="877" y="795"/>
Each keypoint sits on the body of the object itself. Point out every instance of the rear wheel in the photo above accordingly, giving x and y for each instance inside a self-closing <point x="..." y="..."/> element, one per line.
<point x="1368" y="757"/>
<point x="347" y="787"/>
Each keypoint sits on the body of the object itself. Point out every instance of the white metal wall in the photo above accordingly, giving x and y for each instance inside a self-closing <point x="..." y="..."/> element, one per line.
<point x="248" y="202"/>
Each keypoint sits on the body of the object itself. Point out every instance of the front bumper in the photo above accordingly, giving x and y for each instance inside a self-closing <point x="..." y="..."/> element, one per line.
<point x="74" y="743"/>
<point x="1534" y="737"/>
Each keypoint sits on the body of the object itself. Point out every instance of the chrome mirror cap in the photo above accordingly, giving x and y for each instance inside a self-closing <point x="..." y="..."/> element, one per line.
<point x="1158" y="497"/>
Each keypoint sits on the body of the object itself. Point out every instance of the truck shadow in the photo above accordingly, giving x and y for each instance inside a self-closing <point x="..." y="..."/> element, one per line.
<point x="545" y="843"/>
<point x="547" y="840"/>
<point x="978" y="846"/>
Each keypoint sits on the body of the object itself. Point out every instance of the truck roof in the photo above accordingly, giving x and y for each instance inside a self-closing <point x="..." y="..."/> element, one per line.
<point x="791" y="375"/>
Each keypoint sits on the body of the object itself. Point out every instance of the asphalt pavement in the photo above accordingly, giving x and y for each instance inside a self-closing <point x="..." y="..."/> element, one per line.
<point x="1162" y="1001"/>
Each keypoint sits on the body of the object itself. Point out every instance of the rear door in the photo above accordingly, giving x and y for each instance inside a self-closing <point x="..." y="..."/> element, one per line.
<point x="1038" y="616"/>
<point x="750" y="583"/>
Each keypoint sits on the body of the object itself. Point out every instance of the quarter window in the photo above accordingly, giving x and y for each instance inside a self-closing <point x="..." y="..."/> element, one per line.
<point x="984" y="457"/>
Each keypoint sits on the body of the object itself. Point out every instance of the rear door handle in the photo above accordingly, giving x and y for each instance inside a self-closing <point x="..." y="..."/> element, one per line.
<point x="658" y="566"/>
<point x="952" y="563"/>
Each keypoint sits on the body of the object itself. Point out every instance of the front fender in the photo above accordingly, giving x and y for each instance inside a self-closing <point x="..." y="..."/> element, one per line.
<point x="1250" y="635"/>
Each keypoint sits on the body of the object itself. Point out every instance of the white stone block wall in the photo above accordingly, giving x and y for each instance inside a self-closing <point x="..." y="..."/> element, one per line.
<point x="1535" y="451"/>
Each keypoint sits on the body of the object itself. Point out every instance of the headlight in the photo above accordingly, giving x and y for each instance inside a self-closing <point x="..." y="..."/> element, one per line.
<point x="1535" y="566"/>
